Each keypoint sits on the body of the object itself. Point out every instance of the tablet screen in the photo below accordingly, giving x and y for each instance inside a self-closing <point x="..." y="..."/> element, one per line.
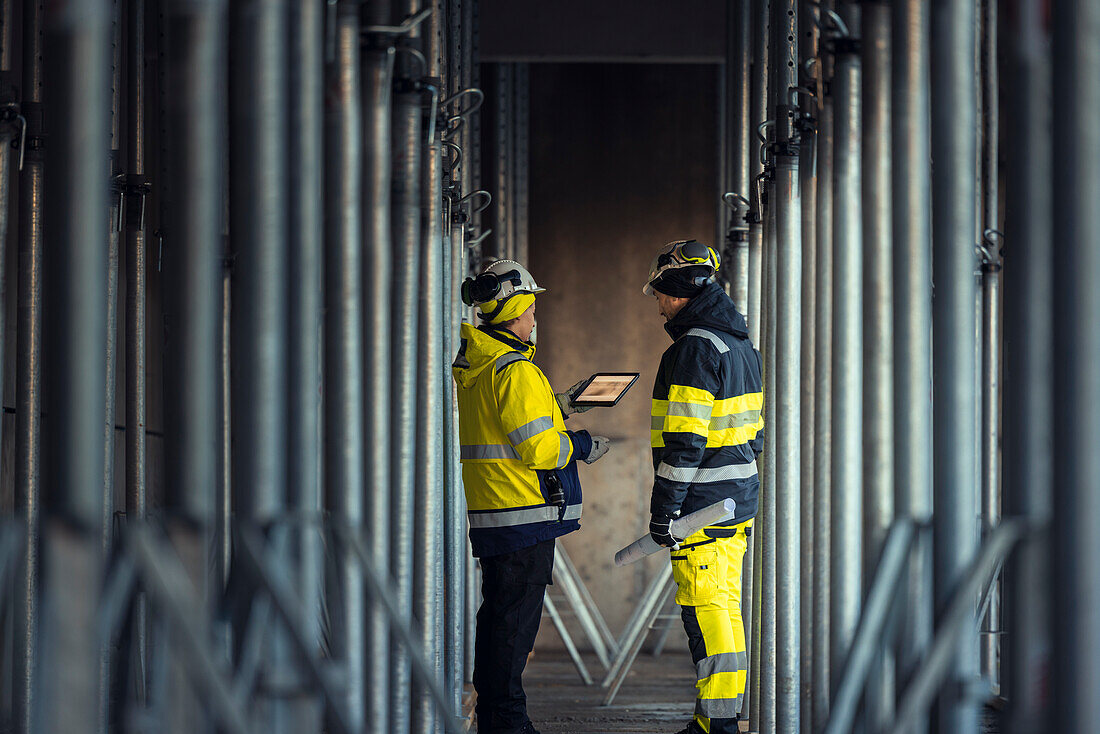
<point x="605" y="388"/>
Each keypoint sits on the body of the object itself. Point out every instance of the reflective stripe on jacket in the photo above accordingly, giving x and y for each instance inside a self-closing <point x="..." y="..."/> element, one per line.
<point x="707" y="419"/>
<point x="514" y="445"/>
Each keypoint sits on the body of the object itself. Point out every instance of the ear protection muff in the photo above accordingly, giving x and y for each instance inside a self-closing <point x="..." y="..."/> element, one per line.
<point x="485" y="287"/>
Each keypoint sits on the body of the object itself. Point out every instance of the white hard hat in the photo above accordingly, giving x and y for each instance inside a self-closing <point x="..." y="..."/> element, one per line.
<point x="498" y="282"/>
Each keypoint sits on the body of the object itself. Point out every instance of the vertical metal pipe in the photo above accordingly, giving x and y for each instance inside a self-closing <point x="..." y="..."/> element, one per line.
<point x="807" y="182"/>
<point x="428" y="556"/>
<point x="846" y="506"/>
<point x="8" y="134"/>
<point x="1028" y="365"/>
<point x="787" y="368"/>
<point x="767" y="527"/>
<point x="521" y="109"/>
<point x="28" y="374"/>
<point x="377" y="60"/>
<point x="878" y="377"/>
<point x="344" y="399"/>
<point x="990" y="452"/>
<point x="1075" y="549"/>
<point x="954" y="149"/>
<point x="75" y="330"/>
<point x="135" y="295"/>
<point x="223" y="527"/>
<point x="738" y="137"/>
<point x="194" y="124"/>
<point x="991" y="328"/>
<point x="407" y="143"/>
<point x="258" y="197"/>
<point x="739" y="147"/>
<point x="758" y="112"/>
<point x="306" y="270"/>
<point x="503" y="222"/>
<point x="114" y="211"/>
<point x="912" y="280"/>
<point x="455" y="548"/>
<point x="822" y="425"/>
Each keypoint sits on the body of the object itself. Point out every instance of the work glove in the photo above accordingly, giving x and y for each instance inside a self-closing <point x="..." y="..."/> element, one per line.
<point x="600" y="446"/>
<point x="566" y="405"/>
<point x="660" y="529"/>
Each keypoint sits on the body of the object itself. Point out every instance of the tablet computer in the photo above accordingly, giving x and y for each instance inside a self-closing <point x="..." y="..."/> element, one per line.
<point x="603" y="389"/>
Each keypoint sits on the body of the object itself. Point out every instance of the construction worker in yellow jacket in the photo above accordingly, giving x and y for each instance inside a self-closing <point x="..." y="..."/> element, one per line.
<point x="706" y="434"/>
<point x="520" y="474"/>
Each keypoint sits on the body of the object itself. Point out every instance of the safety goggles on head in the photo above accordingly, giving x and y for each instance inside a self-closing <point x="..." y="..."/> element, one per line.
<point x="682" y="254"/>
<point x="500" y="280"/>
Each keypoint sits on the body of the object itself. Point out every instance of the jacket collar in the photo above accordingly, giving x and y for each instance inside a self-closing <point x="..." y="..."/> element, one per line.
<point x="711" y="309"/>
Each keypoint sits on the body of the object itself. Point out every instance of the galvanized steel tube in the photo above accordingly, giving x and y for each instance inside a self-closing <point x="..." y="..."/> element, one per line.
<point x="912" y="280"/>
<point x="758" y="113"/>
<point x="7" y="136"/>
<point x="767" y="526"/>
<point x="739" y="138"/>
<point x="991" y="328"/>
<point x="455" y="548"/>
<point x="822" y="426"/>
<point x="258" y="201"/>
<point x="1028" y="366"/>
<point x="807" y="182"/>
<point x="954" y="150"/>
<point x="786" y="366"/>
<point x="75" y="331"/>
<point x="135" y="297"/>
<point x="878" y="360"/>
<point x="306" y="247"/>
<point x="28" y="375"/>
<point x="192" y="309"/>
<point x="428" y="545"/>
<point x="847" y="432"/>
<point x="377" y="59"/>
<point x="1075" y="549"/>
<point x="344" y="399"/>
<point x="407" y="143"/>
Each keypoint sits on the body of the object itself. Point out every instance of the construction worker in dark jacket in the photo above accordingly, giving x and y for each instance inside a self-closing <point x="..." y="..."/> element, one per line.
<point x="706" y="433"/>
<point x="519" y="469"/>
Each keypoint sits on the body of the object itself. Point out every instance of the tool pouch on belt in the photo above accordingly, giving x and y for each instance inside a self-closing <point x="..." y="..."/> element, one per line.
<point x="695" y="568"/>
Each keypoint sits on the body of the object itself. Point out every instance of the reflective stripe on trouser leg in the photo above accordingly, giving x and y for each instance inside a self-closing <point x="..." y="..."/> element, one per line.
<point x="708" y="577"/>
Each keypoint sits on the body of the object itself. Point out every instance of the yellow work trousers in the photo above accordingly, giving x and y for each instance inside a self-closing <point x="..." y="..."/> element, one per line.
<point x="707" y="570"/>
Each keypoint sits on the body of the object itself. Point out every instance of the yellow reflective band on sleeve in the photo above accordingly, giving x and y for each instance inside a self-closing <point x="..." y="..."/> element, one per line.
<point x="681" y="424"/>
<point x="739" y="404"/>
<point x="686" y="394"/>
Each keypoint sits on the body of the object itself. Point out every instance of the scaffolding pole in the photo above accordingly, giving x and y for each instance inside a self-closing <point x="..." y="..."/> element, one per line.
<point x="847" y="399"/>
<point x="377" y="58"/>
<point x="344" y="399"/>
<point x="878" y="367"/>
<point x="912" y="278"/>
<point x="954" y="219"/>
<point x="1075" y="545"/>
<point x="407" y="143"/>
<point x="823" y="372"/>
<point x="1028" y="366"/>
<point x="78" y="35"/>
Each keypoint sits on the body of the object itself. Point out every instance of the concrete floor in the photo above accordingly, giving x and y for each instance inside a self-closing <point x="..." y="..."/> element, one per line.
<point x="657" y="697"/>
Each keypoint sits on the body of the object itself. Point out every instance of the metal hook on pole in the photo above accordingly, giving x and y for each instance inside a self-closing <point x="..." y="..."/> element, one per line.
<point x="990" y="249"/>
<point x="407" y="25"/>
<point x="416" y="55"/>
<point x="12" y="114"/>
<point x="475" y="241"/>
<point x="488" y="200"/>
<point x="735" y="201"/>
<point x="457" y="151"/>
<point x="472" y="108"/>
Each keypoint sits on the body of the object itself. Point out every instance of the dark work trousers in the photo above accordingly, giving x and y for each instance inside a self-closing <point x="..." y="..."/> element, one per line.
<point x="513" y="586"/>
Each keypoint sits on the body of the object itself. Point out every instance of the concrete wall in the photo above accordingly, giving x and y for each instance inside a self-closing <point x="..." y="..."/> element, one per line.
<point x="622" y="161"/>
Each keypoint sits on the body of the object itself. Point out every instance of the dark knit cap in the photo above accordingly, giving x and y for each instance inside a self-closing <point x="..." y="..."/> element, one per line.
<point x="680" y="283"/>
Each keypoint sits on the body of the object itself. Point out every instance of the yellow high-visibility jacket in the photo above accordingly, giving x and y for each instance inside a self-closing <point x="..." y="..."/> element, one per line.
<point x="514" y="445"/>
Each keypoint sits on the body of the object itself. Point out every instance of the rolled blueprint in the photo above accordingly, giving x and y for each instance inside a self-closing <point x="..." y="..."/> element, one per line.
<point x="681" y="528"/>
